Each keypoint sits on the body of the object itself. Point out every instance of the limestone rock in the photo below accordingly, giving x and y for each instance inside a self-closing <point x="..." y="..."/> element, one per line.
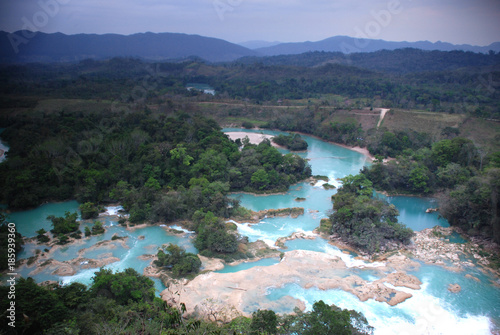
<point x="472" y="277"/>
<point x="454" y="288"/>
<point x="403" y="280"/>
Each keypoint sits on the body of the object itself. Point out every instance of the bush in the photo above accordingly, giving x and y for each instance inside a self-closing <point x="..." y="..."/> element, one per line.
<point x="292" y="142"/>
<point x="97" y="228"/>
<point x="64" y="225"/>
<point x="247" y="125"/>
<point x="77" y="234"/>
<point x="41" y="237"/>
<point x="89" y="210"/>
<point x="178" y="261"/>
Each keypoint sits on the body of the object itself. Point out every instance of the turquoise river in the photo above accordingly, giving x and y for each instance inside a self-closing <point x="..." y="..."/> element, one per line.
<point x="431" y="310"/>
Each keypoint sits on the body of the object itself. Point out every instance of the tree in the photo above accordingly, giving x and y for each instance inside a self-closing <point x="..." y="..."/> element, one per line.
<point x="260" y="179"/>
<point x="473" y="206"/>
<point x="358" y="184"/>
<point x="179" y="153"/>
<point x="264" y="322"/>
<point x="41" y="307"/>
<point x="327" y="320"/>
<point x="364" y="221"/>
<point x="41" y="237"/>
<point x="176" y="259"/>
<point x="64" y="225"/>
<point x="97" y="228"/>
<point x="124" y="287"/>
<point x="324" y="319"/>
<point x="419" y="179"/>
<point x="89" y="210"/>
<point x="292" y="142"/>
<point x="152" y="184"/>
<point x="212" y="236"/>
<point x="7" y="233"/>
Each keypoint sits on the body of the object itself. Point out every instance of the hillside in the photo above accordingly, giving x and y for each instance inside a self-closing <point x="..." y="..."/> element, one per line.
<point x="149" y="46"/>
<point x="401" y="61"/>
<point x="347" y="45"/>
<point x="462" y="89"/>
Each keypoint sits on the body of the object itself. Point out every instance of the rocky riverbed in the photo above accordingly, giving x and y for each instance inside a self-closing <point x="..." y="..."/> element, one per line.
<point x="306" y="268"/>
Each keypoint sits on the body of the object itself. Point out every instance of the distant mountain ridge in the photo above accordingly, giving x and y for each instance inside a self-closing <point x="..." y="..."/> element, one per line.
<point x="349" y="45"/>
<point x="24" y="47"/>
<point x="258" y="44"/>
<point x="58" y="47"/>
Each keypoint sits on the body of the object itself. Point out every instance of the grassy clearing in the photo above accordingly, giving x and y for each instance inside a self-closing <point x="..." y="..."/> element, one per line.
<point x="368" y="119"/>
<point x="484" y="133"/>
<point x="428" y="122"/>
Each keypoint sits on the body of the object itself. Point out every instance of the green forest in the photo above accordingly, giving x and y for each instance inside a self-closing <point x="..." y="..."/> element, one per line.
<point x="160" y="168"/>
<point x="451" y="82"/>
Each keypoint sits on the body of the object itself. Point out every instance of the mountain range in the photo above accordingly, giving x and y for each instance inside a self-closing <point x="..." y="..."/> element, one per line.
<point x="58" y="47"/>
<point x="349" y="45"/>
<point x="25" y="46"/>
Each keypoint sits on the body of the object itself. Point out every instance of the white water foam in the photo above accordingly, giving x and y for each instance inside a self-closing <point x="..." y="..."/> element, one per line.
<point x="246" y="229"/>
<point x="430" y="315"/>
<point x="84" y="277"/>
<point x="306" y="233"/>
<point x="349" y="261"/>
<point x="320" y="183"/>
<point x="112" y="211"/>
<point x="180" y="229"/>
<point x="419" y="315"/>
<point x="332" y="180"/>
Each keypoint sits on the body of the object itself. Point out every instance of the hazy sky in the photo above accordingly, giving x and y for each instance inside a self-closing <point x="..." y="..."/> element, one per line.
<point x="474" y="22"/>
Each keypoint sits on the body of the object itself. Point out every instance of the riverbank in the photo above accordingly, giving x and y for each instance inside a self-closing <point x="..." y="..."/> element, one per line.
<point x="256" y="138"/>
<point x="364" y="151"/>
<point x="433" y="246"/>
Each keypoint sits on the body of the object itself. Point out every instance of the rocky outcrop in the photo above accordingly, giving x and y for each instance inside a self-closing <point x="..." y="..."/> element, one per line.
<point x="280" y="242"/>
<point x="403" y="280"/>
<point x="211" y="264"/>
<point x="306" y="268"/>
<point x="381" y="293"/>
<point x="454" y="288"/>
<point x="293" y="212"/>
<point x="70" y="268"/>
<point x="401" y="263"/>
<point x="431" y="247"/>
<point x="472" y="277"/>
<point x="255" y="217"/>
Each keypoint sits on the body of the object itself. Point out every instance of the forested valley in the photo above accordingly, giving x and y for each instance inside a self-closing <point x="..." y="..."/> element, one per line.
<point x="128" y="131"/>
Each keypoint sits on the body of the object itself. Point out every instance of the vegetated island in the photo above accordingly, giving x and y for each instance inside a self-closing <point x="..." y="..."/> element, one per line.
<point x="293" y="142"/>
